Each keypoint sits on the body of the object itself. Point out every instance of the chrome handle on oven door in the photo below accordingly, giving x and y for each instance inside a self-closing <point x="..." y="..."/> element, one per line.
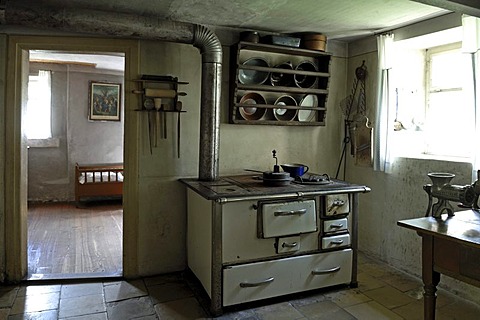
<point x="326" y="271"/>
<point x="256" y="284"/>
<point x="290" y="212"/>
<point x="289" y="245"/>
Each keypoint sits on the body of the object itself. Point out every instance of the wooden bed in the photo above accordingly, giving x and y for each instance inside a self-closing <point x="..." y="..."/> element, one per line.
<point x="98" y="180"/>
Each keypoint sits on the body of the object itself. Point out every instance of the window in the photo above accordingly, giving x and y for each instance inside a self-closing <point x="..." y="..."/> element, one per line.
<point x="433" y="117"/>
<point x="38" y="116"/>
<point x="450" y="117"/>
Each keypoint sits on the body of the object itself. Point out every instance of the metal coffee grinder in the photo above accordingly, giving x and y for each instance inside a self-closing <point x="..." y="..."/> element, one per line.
<point x="445" y="192"/>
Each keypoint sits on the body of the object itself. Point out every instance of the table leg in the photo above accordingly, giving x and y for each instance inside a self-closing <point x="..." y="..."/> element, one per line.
<point x="430" y="278"/>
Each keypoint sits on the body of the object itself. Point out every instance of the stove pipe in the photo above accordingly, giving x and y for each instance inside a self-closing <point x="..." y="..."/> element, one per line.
<point x="131" y="26"/>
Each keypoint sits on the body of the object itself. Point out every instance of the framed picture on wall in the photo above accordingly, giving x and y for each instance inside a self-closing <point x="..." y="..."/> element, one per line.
<point x="104" y="101"/>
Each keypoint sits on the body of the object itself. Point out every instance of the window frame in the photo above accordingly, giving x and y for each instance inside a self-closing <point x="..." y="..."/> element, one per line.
<point x="50" y="142"/>
<point x="421" y="148"/>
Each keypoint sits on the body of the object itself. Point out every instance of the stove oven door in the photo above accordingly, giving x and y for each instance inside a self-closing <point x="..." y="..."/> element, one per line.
<point x="279" y="219"/>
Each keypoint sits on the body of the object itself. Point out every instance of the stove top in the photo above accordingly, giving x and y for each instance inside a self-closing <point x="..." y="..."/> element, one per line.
<point x="252" y="185"/>
<point x="307" y="181"/>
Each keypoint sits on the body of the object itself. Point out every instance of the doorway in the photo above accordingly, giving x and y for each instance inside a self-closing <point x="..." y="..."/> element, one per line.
<point x="16" y="146"/>
<point x="67" y="239"/>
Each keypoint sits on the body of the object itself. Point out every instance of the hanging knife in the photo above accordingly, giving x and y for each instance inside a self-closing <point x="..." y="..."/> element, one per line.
<point x="178" y="134"/>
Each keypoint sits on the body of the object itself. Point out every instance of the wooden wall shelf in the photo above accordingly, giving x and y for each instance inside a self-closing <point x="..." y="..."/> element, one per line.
<point x="276" y="55"/>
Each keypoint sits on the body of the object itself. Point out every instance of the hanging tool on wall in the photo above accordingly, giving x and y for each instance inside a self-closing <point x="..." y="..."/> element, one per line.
<point x="178" y="108"/>
<point x="357" y="131"/>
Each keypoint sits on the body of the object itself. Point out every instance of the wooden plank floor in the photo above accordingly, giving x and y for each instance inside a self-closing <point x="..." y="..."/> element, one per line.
<point x="69" y="242"/>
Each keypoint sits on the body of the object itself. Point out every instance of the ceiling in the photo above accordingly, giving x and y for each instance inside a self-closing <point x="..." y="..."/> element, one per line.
<point x="341" y="20"/>
<point x="107" y="61"/>
<point x="338" y="19"/>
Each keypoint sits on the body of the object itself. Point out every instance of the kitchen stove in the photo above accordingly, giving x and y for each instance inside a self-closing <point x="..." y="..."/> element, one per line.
<point x="248" y="241"/>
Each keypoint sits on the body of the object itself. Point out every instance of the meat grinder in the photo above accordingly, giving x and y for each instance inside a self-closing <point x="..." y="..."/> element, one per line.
<point x="443" y="191"/>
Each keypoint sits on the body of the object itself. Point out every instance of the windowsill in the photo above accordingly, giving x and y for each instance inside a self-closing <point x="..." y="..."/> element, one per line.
<point x="44" y="143"/>
<point x="423" y="156"/>
<point x="410" y="145"/>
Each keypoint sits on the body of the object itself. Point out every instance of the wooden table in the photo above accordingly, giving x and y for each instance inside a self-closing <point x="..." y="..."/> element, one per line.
<point x="450" y="246"/>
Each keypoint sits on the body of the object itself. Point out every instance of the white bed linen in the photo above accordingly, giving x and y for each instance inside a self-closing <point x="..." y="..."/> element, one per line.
<point x="100" y="177"/>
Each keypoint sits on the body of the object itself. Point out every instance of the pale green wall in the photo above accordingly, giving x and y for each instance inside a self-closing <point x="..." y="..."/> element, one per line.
<point x="398" y="195"/>
<point x="162" y="217"/>
<point x="3" y="59"/>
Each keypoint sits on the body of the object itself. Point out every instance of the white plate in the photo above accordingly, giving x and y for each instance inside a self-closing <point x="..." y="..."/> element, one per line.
<point x="310" y="100"/>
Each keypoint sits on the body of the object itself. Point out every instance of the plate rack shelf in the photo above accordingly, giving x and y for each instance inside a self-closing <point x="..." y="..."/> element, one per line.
<point x="309" y="108"/>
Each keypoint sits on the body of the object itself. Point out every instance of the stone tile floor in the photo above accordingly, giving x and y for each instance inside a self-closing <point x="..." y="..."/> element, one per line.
<point x="383" y="293"/>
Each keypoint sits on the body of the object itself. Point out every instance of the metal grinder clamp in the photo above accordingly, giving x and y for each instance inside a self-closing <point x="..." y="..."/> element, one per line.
<point x="441" y="189"/>
<point x="476" y="189"/>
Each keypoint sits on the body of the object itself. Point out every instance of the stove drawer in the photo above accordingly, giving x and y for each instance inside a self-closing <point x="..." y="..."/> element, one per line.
<point x="333" y="242"/>
<point x="288" y="244"/>
<point x="335" y="226"/>
<point x="268" y="279"/>
<point x="288" y="218"/>
<point x="337" y="204"/>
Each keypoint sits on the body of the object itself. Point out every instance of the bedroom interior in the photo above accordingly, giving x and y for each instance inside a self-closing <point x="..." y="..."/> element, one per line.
<point x="74" y="203"/>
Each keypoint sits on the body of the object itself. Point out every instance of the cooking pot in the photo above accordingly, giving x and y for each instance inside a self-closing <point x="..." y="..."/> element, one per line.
<point x="252" y="112"/>
<point x="280" y="78"/>
<point x="304" y="81"/>
<point x="295" y="169"/>
<point x="249" y="77"/>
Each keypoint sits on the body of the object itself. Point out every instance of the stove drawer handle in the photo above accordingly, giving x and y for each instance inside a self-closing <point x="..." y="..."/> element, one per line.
<point x="326" y="271"/>
<point x="256" y="284"/>
<point x="337" y="242"/>
<point x="289" y="245"/>
<point x="336" y="226"/>
<point x="289" y="213"/>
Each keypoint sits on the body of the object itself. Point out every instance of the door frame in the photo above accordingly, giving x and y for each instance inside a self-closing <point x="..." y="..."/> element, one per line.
<point x="16" y="263"/>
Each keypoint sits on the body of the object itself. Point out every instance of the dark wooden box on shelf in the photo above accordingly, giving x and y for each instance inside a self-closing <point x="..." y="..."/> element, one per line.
<point x="275" y="56"/>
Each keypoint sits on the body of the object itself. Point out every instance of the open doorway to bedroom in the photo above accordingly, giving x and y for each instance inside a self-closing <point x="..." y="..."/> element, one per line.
<point x="75" y="119"/>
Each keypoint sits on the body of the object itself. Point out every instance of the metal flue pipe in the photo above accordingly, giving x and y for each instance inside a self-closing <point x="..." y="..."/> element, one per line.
<point x="131" y="26"/>
<point x="211" y="51"/>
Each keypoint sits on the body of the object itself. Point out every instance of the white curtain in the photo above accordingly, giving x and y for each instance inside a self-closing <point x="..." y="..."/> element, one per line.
<point x="471" y="45"/>
<point x="383" y="116"/>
